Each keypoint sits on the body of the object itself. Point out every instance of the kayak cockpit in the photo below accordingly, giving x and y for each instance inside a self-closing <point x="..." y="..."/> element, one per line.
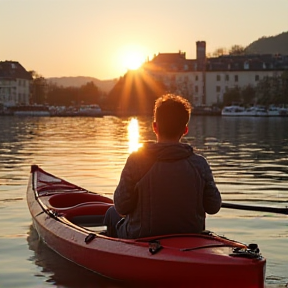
<point x="83" y="209"/>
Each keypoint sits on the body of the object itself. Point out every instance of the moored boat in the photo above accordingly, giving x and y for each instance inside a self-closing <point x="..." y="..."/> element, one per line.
<point x="233" y="110"/>
<point x="69" y="218"/>
<point x="257" y="110"/>
<point x="277" y="111"/>
<point x="204" y="110"/>
<point x="90" y="110"/>
<point x="29" y="110"/>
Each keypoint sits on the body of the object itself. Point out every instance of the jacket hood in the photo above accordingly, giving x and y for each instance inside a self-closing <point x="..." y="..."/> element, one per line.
<point x="168" y="151"/>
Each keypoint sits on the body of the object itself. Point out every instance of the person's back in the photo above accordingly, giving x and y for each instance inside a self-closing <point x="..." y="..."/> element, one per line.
<point x="165" y="188"/>
<point x="169" y="195"/>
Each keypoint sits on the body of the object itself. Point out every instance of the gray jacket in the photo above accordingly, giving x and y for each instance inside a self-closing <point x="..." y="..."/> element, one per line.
<point x="165" y="189"/>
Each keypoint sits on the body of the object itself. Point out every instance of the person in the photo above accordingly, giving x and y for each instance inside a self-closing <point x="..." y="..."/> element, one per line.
<point x="164" y="188"/>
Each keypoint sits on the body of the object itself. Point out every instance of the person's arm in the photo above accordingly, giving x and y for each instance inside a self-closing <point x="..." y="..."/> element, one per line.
<point x="125" y="198"/>
<point x="211" y="197"/>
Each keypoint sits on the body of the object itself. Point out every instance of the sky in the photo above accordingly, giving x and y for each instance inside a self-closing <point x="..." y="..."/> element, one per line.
<point x="104" y="38"/>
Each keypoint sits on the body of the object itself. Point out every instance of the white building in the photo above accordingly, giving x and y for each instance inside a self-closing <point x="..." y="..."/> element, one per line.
<point x="218" y="82"/>
<point x="205" y="80"/>
<point x="14" y="84"/>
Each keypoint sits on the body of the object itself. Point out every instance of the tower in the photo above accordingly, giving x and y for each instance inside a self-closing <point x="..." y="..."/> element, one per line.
<point x="201" y="51"/>
<point x="201" y="65"/>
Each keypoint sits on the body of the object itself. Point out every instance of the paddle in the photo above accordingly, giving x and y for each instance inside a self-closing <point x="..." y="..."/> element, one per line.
<point x="256" y="208"/>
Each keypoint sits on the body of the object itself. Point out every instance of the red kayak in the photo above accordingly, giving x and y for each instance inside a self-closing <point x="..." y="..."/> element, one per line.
<point x="69" y="219"/>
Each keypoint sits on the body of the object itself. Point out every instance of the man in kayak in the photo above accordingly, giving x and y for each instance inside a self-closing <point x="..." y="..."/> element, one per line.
<point x="165" y="188"/>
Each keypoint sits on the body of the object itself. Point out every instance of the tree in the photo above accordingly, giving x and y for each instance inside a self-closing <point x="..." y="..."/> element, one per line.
<point x="248" y="94"/>
<point x="89" y="93"/>
<point x="60" y="96"/>
<point x="219" y="52"/>
<point x="38" y="88"/>
<point x="67" y="96"/>
<point x="273" y="90"/>
<point x="237" y="50"/>
<point x="231" y="96"/>
<point x="284" y="78"/>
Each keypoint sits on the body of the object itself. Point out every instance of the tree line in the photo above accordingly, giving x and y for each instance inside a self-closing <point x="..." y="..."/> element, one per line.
<point x="233" y="50"/>
<point x="134" y="93"/>
<point x="269" y="90"/>
<point x="44" y="92"/>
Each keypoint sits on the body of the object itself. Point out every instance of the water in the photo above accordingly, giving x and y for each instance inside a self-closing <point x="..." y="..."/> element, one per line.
<point x="249" y="158"/>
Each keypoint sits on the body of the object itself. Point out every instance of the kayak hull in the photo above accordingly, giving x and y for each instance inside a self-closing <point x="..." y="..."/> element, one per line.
<point x="189" y="260"/>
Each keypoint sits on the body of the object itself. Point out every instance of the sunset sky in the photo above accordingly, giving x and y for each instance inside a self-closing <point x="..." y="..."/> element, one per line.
<point x="96" y="37"/>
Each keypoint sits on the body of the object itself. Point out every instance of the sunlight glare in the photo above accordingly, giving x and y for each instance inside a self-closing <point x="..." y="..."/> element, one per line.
<point x="133" y="135"/>
<point x="132" y="58"/>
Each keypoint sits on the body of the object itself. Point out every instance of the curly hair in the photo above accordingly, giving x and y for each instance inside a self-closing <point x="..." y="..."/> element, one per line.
<point x="172" y="115"/>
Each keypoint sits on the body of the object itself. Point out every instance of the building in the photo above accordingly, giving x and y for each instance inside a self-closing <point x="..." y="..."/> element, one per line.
<point x="205" y="80"/>
<point x="230" y="71"/>
<point x="14" y="84"/>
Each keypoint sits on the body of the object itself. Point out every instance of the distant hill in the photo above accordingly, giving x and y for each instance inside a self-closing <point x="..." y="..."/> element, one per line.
<point x="104" y="85"/>
<point x="269" y="45"/>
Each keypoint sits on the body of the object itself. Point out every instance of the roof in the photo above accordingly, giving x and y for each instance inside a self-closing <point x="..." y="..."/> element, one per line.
<point x="256" y="62"/>
<point x="13" y="70"/>
<point x="175" y="58"/>
<point x="168" y="62"/>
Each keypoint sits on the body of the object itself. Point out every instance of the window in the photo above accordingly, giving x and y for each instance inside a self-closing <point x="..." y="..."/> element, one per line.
<point x="236" y="78"/>
<point x="227" y="77"/>
<point x="256" y="77"/>
<point x="218" y="88"/>
<point x="196" y="78"/>
<point x="218" y="78"/>
<point x="196" y="89"/>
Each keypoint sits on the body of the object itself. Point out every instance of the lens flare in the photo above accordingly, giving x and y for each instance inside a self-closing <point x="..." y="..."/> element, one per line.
<point x="133" y="135"/>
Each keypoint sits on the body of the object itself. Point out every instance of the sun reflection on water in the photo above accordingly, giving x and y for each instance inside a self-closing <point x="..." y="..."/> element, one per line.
<point x="133" y="135"/>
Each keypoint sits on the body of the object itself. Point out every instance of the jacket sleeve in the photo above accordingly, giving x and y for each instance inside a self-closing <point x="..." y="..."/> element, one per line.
<point x="125" y="198"/>
<point x="211" y="196"/>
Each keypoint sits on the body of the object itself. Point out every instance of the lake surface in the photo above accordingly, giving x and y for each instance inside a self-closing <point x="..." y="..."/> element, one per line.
<point x="248" y="156"/>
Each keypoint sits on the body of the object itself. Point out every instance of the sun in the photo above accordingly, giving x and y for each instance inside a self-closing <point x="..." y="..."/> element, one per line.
<point x="132" y="58"/>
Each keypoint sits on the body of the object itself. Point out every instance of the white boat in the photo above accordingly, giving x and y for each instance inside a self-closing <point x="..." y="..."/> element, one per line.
<point x="89" y="110"/>
<point x="29" y="110"/>
<point x="233" y="110"/>
<point x="255" y="111"/>
<point x="236" y="110"/>
<point x="277" y="111"/>
<point x="92" y="110"/>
